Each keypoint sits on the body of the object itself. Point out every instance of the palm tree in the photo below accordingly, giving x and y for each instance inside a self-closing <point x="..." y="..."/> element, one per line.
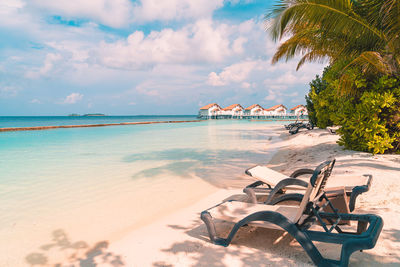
<point x="364" y="33"/>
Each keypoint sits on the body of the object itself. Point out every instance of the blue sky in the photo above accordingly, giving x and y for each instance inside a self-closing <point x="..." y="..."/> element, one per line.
<point x="123" y="57"/>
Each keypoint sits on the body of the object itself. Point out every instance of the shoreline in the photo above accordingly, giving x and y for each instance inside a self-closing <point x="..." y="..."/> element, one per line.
<point x="36" y="128"/>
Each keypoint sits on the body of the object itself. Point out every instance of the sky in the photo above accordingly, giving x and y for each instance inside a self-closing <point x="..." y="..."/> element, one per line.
<point x="143" y="57"/>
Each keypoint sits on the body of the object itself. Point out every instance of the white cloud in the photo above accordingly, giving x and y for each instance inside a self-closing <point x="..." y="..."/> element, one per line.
<point x="278" y="94"/>
<point x="245" y="85"/>
<point x="10" y="5"/>
<point x="271" y="95"/>
<point x="77" y="51"/>
<point x="35" y="101"/>
<point x="12" y="14"/>
<point x="47" y="66"/>
<point x="114" y="13"/>
<point x="238" y="45"/>
<point x="150" y="10"/>
<point x="235" y="73"/>
<point x="147" y="88"/>
<point x="203" y="41"/>
<point x="73" y="98"/>
<point x="215" y="80"/>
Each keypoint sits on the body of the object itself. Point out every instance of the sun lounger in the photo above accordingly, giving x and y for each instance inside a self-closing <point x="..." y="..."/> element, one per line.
<point x="290" y="125"/>
<point x="295" y="127"/>
<point x="278" y="183"/>
<point x="333" y="129"/>
<point x="297" y="220"/>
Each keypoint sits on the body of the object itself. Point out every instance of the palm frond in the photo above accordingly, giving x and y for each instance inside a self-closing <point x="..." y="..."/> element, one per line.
<point x="371" y="62"/>
<point x="364" y="33"/>
<point x="312" y="56"/>
<point x="330" y="15"/>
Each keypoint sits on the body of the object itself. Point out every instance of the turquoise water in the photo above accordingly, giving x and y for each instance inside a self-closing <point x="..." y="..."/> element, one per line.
<point x="32" y="121"/>
<point x="98" y="183"/>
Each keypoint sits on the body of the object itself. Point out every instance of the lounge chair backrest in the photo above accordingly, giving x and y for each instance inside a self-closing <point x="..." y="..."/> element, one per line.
<point x="316" y="185"/>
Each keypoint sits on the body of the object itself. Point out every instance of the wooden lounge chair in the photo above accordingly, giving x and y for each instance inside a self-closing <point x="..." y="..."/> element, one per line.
<point x="341" y="189"/>
<point x="296" y="220"/>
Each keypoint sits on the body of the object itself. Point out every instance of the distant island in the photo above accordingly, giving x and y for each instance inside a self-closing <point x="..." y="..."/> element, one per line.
<point x="86" y="115"/>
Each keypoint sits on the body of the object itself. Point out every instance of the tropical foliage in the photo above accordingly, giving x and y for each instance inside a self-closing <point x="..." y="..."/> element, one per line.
<point x="316" y="87"/>
<point x="370" y="122"/>
<point x="364" y="33"/>
<point x="360" y="90"/>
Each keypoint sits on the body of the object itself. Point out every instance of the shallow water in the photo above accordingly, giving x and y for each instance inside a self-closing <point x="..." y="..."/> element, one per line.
<point x="97" y="184"/>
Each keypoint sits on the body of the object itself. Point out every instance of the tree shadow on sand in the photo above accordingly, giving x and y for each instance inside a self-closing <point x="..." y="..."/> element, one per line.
<point x="267" y="247"/>
<point x="217" y="167"/>
<point x="249" y="134"/>
<point x="256" y="246"/>
<point x="73" y="254"/>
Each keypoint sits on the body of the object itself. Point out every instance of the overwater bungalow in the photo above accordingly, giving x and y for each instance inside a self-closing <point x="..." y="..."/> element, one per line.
<point x="299" y="110"/>
<point x="234" y="111"/>
<point x="277" y="110"/>
<point x="266" y="112"/>
<point x="253" y="111"/>
<point x="210" y="111"/>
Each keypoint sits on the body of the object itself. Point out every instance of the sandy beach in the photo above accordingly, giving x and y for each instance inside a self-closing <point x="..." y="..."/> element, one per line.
<point x="180" y="239"/>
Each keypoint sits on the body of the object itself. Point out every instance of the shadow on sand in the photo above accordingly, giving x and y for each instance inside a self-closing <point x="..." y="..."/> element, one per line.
<point x="254" y="246"/>
<point x="217" y="167"/>
<point x="73" y="254"/>
<point x="267" y="247"/>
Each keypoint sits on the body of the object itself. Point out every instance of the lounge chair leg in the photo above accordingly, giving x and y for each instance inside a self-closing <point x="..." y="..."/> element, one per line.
<point x="251" y="195"/>
<point x="358" y="190"/>
<point x="207" y="219"/>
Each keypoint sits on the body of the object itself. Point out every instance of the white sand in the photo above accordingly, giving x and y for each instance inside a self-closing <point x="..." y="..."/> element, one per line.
<point x="180" y="239"/>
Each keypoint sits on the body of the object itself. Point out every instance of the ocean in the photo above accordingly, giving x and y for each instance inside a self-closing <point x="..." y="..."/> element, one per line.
<point x="32" y="121"/>
<point x="93" y="185"/>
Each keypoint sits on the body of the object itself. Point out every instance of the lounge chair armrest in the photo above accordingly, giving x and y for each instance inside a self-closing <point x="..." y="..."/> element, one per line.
<point x="287" y="197"/>
<point x="256" y="184"/>
<point x="358" y="190"/>
<point x="299" y="172"/>
<point x="375" y="224"/>
<point x="351" y="241"/>
<point x="282" y="184"/>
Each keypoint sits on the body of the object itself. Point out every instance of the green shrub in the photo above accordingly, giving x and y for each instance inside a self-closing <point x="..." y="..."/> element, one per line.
<point x="371" y="123"/>
<point x="370" y="119"/>
<point x="321" y="100"/>
<point x="316" y="87"/>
